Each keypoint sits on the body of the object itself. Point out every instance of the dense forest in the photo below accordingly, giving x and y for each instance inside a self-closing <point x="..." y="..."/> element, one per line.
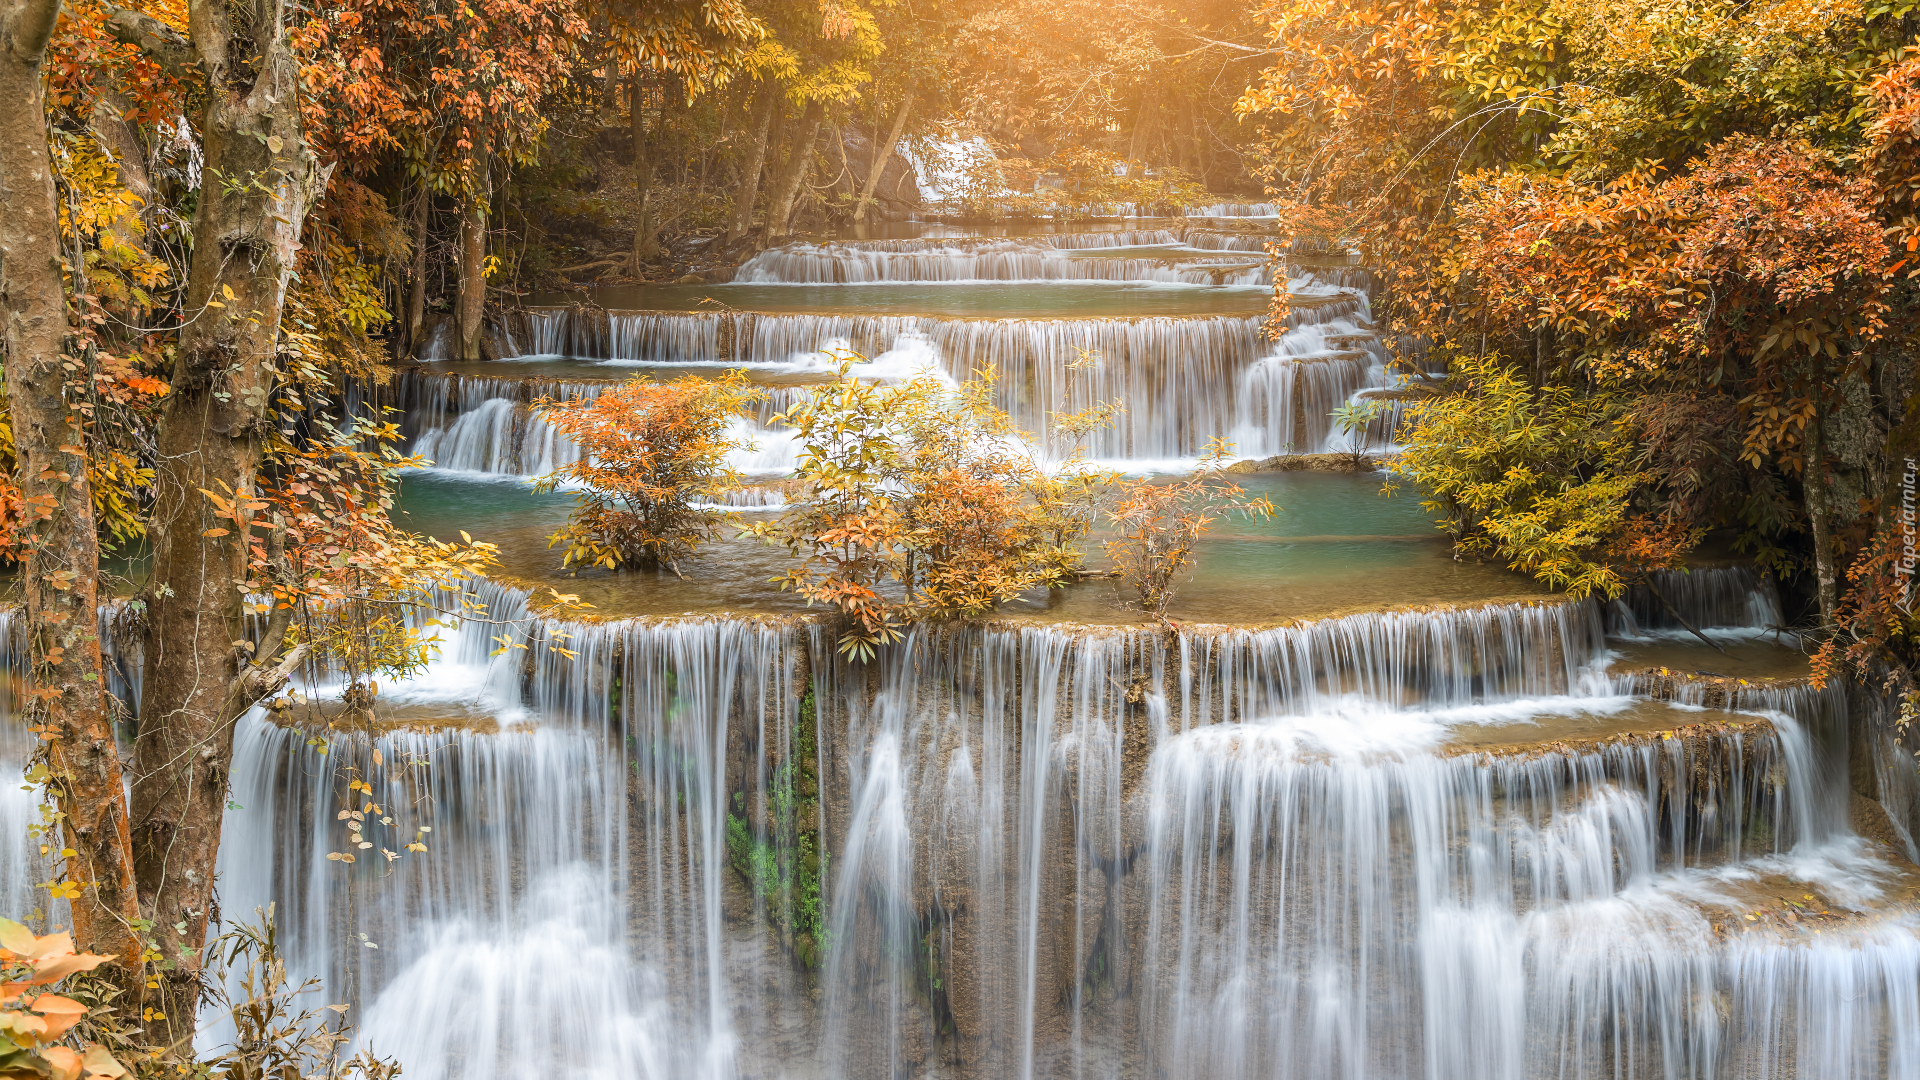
<point x="1644" y="269"/>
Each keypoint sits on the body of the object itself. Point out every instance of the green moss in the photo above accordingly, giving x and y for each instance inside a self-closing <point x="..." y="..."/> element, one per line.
<point x="785" y="866"/>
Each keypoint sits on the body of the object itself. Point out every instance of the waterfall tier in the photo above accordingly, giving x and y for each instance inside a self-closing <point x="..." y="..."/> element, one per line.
<point x="1028" y="851"/>
<point x="984" y="260"/>
<point x="1185" y="381"/>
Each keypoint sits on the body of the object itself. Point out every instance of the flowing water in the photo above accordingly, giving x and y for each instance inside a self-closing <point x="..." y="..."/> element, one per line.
<point x="1364" y="812"/>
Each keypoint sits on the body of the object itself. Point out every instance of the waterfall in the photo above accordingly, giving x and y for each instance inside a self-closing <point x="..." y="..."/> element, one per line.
<point x="1732" y="601"/>
<point x="1074" y="854"/>
<point x="978" y="261"/>
<point x="1230" y="209"/>
<point x="1209" y="240"/>
<point x="578" y="903"/>
<point x="476" y="424"/>
<point x="21" y="866"/>
<point x="1185" y="381"/>
<point x="712" y="848"/>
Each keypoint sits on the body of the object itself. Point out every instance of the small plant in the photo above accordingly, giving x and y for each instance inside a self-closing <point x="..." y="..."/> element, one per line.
<point x="1160" y="523"/>
<point x="272" y="1037"/>
<point x="1355" y="421"/>
<point x="652" y="464"/>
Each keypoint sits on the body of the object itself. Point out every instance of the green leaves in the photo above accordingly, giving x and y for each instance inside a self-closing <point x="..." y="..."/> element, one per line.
<point x="1539" y="477"/>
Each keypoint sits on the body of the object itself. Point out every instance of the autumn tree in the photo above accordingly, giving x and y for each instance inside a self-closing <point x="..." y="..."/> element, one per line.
<point x="919" y="498"/>
<point x="652" y="467"/>
<point x="46" y="378"/>
<point x="1670" y="213"/>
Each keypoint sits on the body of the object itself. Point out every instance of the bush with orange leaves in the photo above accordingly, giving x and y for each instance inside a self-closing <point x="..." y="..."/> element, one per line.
<point x="653" y="460"/>
<point x="1161" y="522"/>
<point x="35" y="1025"/>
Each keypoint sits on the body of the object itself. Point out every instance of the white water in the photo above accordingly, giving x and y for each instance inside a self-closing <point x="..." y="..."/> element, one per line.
<point x="1247" y="855"/>
<point x="1185" y="381"/>
<point x="986" y="261"/>
<point x="1059" y="852"/>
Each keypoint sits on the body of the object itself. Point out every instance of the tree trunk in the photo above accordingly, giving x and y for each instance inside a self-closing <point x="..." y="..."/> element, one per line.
<point x="470" y="306"/>
<point x="646" y="247"/>
<point x="764" y="104"/>
<point x="1826" y="573"/>
<point x="417" y="278"/>
<point x="111" y="129"/>
<point x="198" y="680"/>
<point x="1144" y="123"/>
<point x="786" y="190"/>
<point x="67" y="694"/>
<point x="882" y="155"/>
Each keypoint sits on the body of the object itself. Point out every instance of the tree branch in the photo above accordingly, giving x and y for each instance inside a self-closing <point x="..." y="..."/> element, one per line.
<point x="161" y="43"/>
<point x="31" y="27"/>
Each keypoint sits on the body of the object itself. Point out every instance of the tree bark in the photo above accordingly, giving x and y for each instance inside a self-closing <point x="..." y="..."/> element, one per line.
<point x="1144" y="124"/>
<point x="646" y="247"/>
<point x="767" y="99"/>
<point x="881" y="156"/>
<point x="417" y="276"/>
<point x="66" y="692"/>
<point x="470" y="306"/>
<point x="261" y="180"/>
<point x="786" y="189"/>
<point x="1826" y="573"/>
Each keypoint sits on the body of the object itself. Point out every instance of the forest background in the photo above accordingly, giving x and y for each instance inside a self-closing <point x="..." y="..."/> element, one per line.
<point x="1650" y="261"/>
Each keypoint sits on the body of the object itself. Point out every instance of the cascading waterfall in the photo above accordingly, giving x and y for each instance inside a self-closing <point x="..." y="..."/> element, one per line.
<point x="1116" y="875"/>
<point x="1413" y="845"/>
<point x="21" y="866"/>
<point x="1732" y="600"/>
<point x="712" y="848"/>
<point x="1230" y="210"/>
<point x="482" y="425"/>
<point x="1209" y="240"/>
<point x="579" y="903"/>
<point x="997" y="260"/>
<point x="1185" y="381"/>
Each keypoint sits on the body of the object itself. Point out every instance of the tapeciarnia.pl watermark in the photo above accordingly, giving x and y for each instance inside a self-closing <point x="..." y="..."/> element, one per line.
<point x="1908" y="556"/>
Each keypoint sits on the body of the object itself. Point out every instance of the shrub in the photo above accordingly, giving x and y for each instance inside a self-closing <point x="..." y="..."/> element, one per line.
<point x="1540" y="477"/>
<point x="920" y="499"/>
<point x="652" y="463"/>
<point x="1160" y="523"/>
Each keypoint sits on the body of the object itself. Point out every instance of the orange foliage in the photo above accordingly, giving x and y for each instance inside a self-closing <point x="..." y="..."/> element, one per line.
<point x="1761" y="267"/>
<point x="1161" y="522"/>
<point x="652" y="464"/>
<point x="33" y="1024"/>
<point x="920" y="498"/>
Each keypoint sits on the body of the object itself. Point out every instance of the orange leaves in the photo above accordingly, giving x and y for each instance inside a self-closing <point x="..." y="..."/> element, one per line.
<point x="31" y="1022"/>
<point x="1684" y="280"/>
<point x="382" y="75"/>
<point x="1160" y="522"/>
<point x="920" y="498"/>
<point x="51" y="958"/>
<point x="652" y="464"/>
